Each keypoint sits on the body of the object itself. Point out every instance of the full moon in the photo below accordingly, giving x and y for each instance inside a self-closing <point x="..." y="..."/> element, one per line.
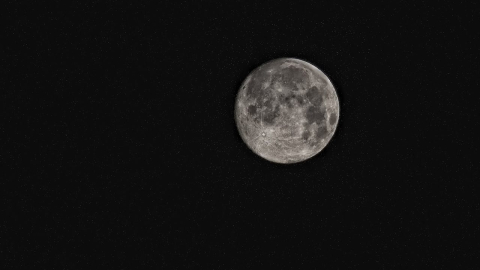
<point x="286" y="110"/>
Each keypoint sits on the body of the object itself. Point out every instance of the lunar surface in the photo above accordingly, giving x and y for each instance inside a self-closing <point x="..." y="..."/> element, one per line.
<point x="286" y="110"/>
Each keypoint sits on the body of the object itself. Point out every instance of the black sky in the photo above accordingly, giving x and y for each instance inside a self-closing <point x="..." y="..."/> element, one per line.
<point x="120" y="146"/>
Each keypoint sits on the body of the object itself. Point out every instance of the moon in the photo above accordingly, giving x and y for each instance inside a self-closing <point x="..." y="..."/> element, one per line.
<point x="286" y="110"/>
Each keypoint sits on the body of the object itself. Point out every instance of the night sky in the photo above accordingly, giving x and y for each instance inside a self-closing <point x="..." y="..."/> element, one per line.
<point x="119" y="147"/>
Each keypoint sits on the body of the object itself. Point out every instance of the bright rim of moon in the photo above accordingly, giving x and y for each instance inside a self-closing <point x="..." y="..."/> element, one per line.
<point x="287" y="110"/>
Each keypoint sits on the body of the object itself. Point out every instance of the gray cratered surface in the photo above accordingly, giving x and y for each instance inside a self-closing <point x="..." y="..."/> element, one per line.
<point x="287" y="110"/>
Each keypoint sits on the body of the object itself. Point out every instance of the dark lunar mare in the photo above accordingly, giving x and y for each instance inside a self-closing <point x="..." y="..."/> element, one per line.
<point x="321" y="132"/>
<point x="306" y="134"/>
<point x="333" y="118"/>
<point x="315" y="114"/>
<point x="252" y="109"/>
<point x="315" y="96"/>
<point x="271" y="115"/>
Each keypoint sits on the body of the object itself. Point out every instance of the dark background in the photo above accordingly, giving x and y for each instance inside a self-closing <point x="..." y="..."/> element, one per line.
<point x="120" y="150"/>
